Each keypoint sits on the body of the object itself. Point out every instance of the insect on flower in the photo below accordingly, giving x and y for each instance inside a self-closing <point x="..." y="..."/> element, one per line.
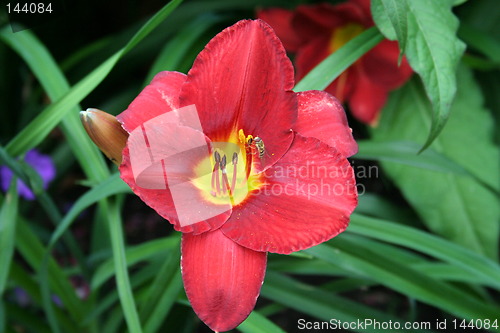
<point x="259" y="144"/>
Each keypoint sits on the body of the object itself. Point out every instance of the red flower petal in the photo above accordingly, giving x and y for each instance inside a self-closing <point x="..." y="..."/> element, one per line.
<point x="309" y="196"/>
<point x="312" y="21"/>
<point x="281" y="21"/>
<point x="159" y="167"/>
<point x="367" y="99"/>
<point x="242" y="80"/>
<point x="321" y="116"/>
<point x="310" y="55"/>
<point x="381" y="65"/>
<point x="222" y="279"/>
<point x="160" y="96"/>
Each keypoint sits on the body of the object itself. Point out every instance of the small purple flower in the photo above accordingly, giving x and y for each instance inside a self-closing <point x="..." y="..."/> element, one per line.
<point x="21" y="297"/>
<point x="41" y="163"/>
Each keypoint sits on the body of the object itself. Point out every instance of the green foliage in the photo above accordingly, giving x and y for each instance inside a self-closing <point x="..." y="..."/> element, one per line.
<point x="460" y="208"/>
<point x="423" y="242"/>
<point x="426" y="32"/>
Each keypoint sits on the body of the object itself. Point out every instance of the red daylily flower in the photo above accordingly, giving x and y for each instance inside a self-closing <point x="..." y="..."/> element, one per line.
<point x="313" y="32"/>
<point x="240" y="164"/>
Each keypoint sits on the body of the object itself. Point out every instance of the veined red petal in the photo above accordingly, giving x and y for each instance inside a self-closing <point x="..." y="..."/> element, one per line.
<point x="160" y="96"/>
<point x="321" y="116"/>
<point x="381" y="65"/>
<point x="159" y="165"/>
<point x="367" y="99"/>
<point x="308" y="198"/>
<point x="281" y="21"/>
<point x="222" y="279"/>
<point x="243" y="80"/>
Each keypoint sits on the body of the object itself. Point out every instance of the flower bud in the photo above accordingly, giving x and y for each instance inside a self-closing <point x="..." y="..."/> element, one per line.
<point x="106" y="132"/>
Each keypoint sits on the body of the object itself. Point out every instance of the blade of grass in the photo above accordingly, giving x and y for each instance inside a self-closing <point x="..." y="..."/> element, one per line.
<point x="55" y="84"/>
<point x="3" y="319"/>
<point x="39" y="127"/>
<point x="257" y="323"/>
<point x="28" y="320"/>
<point x="317" y="302"/>
<point x="168" y="297"/>
<point x="162" y="292"/>
<point x="135" y="254"/>
<point x="8" y="217"/>
<point x="406" y="152"/>
<point x="329" y="69"/>
<point x="110" y="186"/>
<point x="33" y="251"/>
<point x="121" y="272"/>
<point x="110" y="298"/>
<point x="486" y="270"/>
<point x="400" y="277"/>
<point x="33" y="180"/>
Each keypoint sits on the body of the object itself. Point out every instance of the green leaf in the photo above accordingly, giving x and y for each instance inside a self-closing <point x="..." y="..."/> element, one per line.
<point x="374" y="205"/>
<point x="112" y="185"/>
<point x="484" y="269"/>
<point x="361" y="259"/>
<point x="32" y="250"/>
<point x="329" y="69"/>
<point x="168" y="286"/>
<point x="317" y="302"/>
<point x="406" y="152"/>
<point x="55" y="84"/>
<point x="40" y="127"/>
<point x="120" y="268"/>
<point x="8" y="217"/>
<point x="133" y="255"/>
<point x="257" y="323"/>
<point x="426" y="31"/>
<point x="391" y="19"/>
<point x="481" y="41"/>
<point x="459" y="208"/>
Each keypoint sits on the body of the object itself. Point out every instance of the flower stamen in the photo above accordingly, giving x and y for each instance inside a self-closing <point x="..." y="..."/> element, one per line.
<point x="215" y="175"/>
<point x="235" y="169"/>
<point x="225" y="181"/>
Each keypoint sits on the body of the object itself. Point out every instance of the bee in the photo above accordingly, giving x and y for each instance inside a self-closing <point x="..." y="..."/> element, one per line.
<point x="259" y="144"/>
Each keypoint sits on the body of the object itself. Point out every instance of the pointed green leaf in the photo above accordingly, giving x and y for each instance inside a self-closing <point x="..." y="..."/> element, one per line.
<point x="360" y="259"/>
<point x="426" y="31"/>
<point x="8" y="217"/>
<point x="456" y="207"/>
<point x="120" y="269"/>
<point x="41" y="126"/>
<point x="484" y="269"/>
